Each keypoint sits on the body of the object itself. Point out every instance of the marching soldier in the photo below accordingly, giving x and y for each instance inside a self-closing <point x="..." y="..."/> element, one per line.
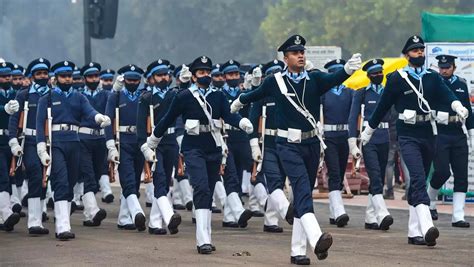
<point x="277" y="204"/>
<point x="62" y="110"/>
<point x="155" y="104"/>
<point x="8" y="107"/>
<point x="375" y="152"/>
<point x="336" y="106"/>
<point x="92" y="143"/>
<point x="451" y="147"/>
<point x="416" y="93"/>
<point x="203" y="146"/>
<point x="299" y="136"/>
<point x="22" y="134"/>
<point x="124" y="150"/>
<point x="77" y="79"/>
<point x="107" y="79"/>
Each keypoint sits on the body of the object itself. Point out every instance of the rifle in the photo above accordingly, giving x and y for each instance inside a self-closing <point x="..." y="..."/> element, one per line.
<point x="224" y="149"/>
<point x="321" y="153"/>
<point x="361" y="126"/>
<point x="113" y="166"/>
<point x="181" y="166"/>
<point x="49" y="143"/>
<point x="16" y="163"/>
<point x="257" y="166"/>
<point x="148" y="177"/>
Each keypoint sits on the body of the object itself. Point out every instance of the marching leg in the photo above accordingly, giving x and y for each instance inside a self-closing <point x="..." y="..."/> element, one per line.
<point x="298" y="244"/>
<point x="459" y="200"/>
<point x="415" y="236"/>
<point x="155" y="225"/>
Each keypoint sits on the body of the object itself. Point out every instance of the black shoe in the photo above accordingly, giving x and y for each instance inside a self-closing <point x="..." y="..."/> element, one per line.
<point x="213" y="247"/>
<point x="127" y="227"/>
<point x="10" y="222"/>
<point x="417" y="240"/>
<point x="179" y="207"/>
<point x="79" y="207"/>
<point x="244" y="218"/>
<point x="204" y="249"/>
<point x="434" y="214"/>
<point x="50" y="204"/>
<point x="99" y="216"/>
<point x="37" y="231"/>
<point x="140" y="222"/>
<point x="257" y="213"/>
<point x="157" y="231"/>
<point x="272" y="229"/>
<point x="461" y="224"/>
<point x="372" y="226"/>
<point x="44" y="217"/>
<point x="64" y="236"/>
<point x="342" y="220"/>
<point x="289" y="217"/>
<point x="193" y="220"/>
<point x="148" y="204"/>
<point x="175" y="221"/>
<point x="300" y="260"/>
<point x="73" y="207"/>
<point x="322" y="246"/>
<point x="22" y="214"/>
<point x="216" y="210"/>
<point x="431" y="235"/>
<point x="230" y="224"/>
<point x="189" y="206"/>
<point x="16" y="208"/>
<point x="386" y="222"/>
<point x="332" y="221"/>
<point x="108" y="199"/>
<point x="24" y="201"/>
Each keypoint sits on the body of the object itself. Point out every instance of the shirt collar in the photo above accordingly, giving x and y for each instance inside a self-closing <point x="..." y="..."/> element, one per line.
<point x="161" y="93"/>
<point x="132" y="96"/>
<point x="203" y="92"/>
<point x="61" y="92"/>
<point x="452" y="79"/>
<point x="416" y="73"/>
<point x="233" y="91"/>
<point x="36" y="88"/>
<point x="90" y="92"/>
<point x="296" y="77"/>
<point x="378" y="88"/>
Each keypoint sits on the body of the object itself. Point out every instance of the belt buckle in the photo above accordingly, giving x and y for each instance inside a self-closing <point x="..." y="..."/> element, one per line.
<point x="339" y="127"/>
<point x="95" y="132"/>
<point x="131" y="129"/>
<point x="64" y="127"/>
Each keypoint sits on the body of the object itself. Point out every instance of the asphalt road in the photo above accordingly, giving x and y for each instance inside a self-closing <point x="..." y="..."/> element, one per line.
<point x="353" y="245"/>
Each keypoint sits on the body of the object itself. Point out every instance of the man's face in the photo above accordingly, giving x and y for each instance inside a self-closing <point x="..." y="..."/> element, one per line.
<point x="78" y="80"/>
<point x="199" y="74"/>
<point x="92" y="78"/>
<point x="417" y="52"/>
<point x="5" y="78"/>
<point x="132" y="81"/>
<point x="447" y="72"/>
<point x="26" y="82"/>
<point x="218" y="78"/>
<point x="295" y="59"/>
<point x="64" y="78"/>
<point x="40" y="74"/>
<point x="161" y="77"/>
<point x="17" y="80"/>
<point x="232" y="75"/>
<point x="108" y="81"/>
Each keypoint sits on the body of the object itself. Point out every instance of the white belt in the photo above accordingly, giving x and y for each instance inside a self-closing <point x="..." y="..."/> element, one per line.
<point x="29" y="132"/>
<point x="64" y="127"/>
<point x="335" y="127"/>
<point x="304" y="135"/>
<point x="382" y="125"/>
<point x="170" y="131"/>
<point x="3" y="131"/>
<point x="454" y="119"/>
<point x="91" y="131"/>
<point x="230" y="127"/>
<point x="271" y="132"/>
<point x="204" y="128"/>
<point x="128" y="129"/>
<point x="419" y="118"/>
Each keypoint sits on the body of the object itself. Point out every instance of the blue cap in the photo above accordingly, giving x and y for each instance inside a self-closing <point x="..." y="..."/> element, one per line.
<point x="91" y="69"/>
<point x="131" y="72"/>
<point x="445" y="61"/>
<point x="63" y="67"/>
<point x="6" y="68"/>
<point x="230" y="66"/>
<point x="38" y="64"/>
<point x="216" y="70"/>
<point x="273" y="66"/>
<point x="107" y="74"/>
<point x="335" y="64"/>
<point x="18" y="70"/>
<point x="374" y="65"/>
<point x="160" y="66"/>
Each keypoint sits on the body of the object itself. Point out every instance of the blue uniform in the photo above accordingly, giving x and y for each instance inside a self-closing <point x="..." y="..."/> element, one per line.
<point x="68" y="110"/>
<point x="92" y="137"/>
<point x="167" y="150"/>
<point x="201" y="155"/>
<point x="300" y="160"/>
<point x="336" y="107"/>
<point x="376" y="151"/>
<point x="416" y="140"/>
<point x="131" y="158"/>
<point x="5" y="153"/>
<point x="451" y="147"/>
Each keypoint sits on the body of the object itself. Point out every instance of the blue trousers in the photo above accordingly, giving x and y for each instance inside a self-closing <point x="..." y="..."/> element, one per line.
<point x="300" y="162"/>
<point x="273" y="170"/>
<point x="418" y="155"/>
<point x="231" y="177"/>
<point x="34" y="172"/>
<point x="450" y="150"/>
<point x="93" y="153"/>
<point x="203" y="169"/>
<point x="130" y="168"/>
<point x="242" y="157"/>
<point x="167" y="156"/>
<point x="64" y="169"/>
<point x="5" y="160"/>
<point x="335" y="156"/>
<point x="375" y="160"/>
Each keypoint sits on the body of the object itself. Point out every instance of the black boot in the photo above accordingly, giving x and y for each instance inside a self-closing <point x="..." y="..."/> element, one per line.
<point x="96" y="221"/>
<point x="417" y="240"/>
<point x="461" y="224"/>
<point x="431" y="235"/>
<point x="175" y="221"/>
<point x="127" y="227"/>
<point x="204" y="249"/>
<point x="37" y="231"/>
<point x="244" y="218"/>
<point x="272" y="229"/>
<point x="300" y="260"/>
<point x="230" y="224"/>
<point x="64" y="236"/>
<point x="289" y="214"/>
<point x="157" y="231"/>
<point x="140" y="222"/>
<point x="189" y="205"/>
<point x="10" y="222"/>
<point x="342" y="220"/>
<point x="322" y="246"/>
<point x="372" y="226"/>
<point x="216" y="210"/>
<point x="434" y="214"/>
<point x="386" y="222"/>
<point x="108" y="198"/>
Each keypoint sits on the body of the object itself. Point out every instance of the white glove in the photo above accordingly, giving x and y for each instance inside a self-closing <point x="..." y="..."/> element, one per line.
<point x="353" y="64"/>
<point x="185" y="74"/>
<point x="118" y="84"/>
<point x="149" y="154"/>
<point x="366" y="135"/>
<point x="179" y="139"/>
<point x="153" y="141"/>
<point x="309" y="65"/>
<point x="15" y="147"/>
<point x="42" y="154"/>
<point x="459" y="109"/>
<point x="102" y="120"/>
<point x="113" y="154"/>
<point x="247" y="81"/>
<point x="246" y="125"/>
<point x="236" y="106"/>
<point x="256" y="76"/>
<point x="471" y="138"/>
<point x="12" y="107"/>
<point x="353" y="149"/>
<point x="256" y="152"/>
